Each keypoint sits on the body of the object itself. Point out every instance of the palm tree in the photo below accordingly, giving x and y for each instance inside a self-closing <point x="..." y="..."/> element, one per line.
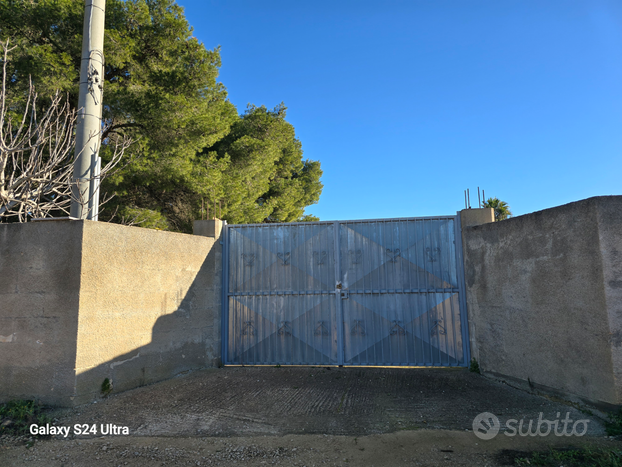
<point x="502" y="210"/>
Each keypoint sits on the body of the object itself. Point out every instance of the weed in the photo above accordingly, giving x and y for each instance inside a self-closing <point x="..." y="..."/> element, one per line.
<point x="572" y="458"/>
<point x="106" y="387"/>
<point x="474" y="366"/>
<point x="17" y="416"/>
<point x="613" y="427"/>
<point x="278" y="365"/>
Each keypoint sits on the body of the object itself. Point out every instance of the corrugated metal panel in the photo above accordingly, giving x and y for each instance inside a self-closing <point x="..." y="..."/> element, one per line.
<point x="383" y="292"/>
<point x="401" y="281"/>
<point x="282" y="302"/>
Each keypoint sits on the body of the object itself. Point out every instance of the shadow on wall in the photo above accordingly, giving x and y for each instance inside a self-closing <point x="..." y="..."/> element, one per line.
<point x="83" y="301"/>
<point x="172" y="308"/>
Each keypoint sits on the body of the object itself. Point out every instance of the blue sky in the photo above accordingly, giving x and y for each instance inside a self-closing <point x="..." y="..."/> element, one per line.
<point x="408" y="103"/>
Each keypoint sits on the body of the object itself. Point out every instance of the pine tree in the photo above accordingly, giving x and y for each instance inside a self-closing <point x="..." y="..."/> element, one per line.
<point x="161" y="89"/>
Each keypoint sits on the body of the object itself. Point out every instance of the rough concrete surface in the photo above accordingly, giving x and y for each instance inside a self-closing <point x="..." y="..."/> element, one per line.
<point x="146" y="306"/>
<point x="305" y="416"/>
<point x="609" y="216"/>
<point x="544" y="300"/>
<point x="478" y="216"/>
<point x="39" y="280"/>
<point x="208" y="228"/>
<point x="82" y="301"/>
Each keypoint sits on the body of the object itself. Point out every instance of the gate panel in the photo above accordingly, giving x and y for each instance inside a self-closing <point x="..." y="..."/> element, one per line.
<point x="382" y="292"/>
<point x="281" y="294"/>
<point x="400" y="293"/>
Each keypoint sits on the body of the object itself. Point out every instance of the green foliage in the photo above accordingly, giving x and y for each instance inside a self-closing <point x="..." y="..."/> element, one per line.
<point x="16" y="416"/>
<point x="106" y="387"/>
<point x="161" y="89"/>
<point x="572" y="458"/>
<point x="141" y="217"/>
<point x="613" y="427"/>
<point x="254" y="174"/>
<point x="502" y="209"/>
<point x="474" y="366"/>
<point x="265" y="179"/>
<point x="48" y="35"/>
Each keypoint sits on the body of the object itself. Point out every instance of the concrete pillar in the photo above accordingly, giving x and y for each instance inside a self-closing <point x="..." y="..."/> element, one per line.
<point x="208" y="228"/>
<point x="471" y="217"/>
<point x="213" y="228"/>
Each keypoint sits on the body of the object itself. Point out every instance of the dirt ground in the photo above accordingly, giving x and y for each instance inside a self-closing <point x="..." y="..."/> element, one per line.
<point x="299" y="416"/>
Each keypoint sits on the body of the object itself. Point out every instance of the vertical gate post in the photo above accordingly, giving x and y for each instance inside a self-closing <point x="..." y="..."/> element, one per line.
<point x="469" y="218"/>
<point x="464" y="315"/>
<point x="224" y="332"/>
<point x="338" y="288"/>
<point x="208" y="228"/>
<point x="217" y="229"/>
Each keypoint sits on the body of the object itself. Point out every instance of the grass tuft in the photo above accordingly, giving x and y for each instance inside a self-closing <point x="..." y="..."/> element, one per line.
<point x="613" y="427"/>
<point x="16" y="416"/>
<point x="106" y="387"/>
<point x="571" y="458"/>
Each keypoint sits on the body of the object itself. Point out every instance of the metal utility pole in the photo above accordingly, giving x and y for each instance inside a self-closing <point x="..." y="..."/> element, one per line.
<point x="85" y="187"/>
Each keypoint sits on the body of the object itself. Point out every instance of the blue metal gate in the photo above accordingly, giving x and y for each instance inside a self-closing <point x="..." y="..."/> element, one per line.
<point x="375" y="292"/>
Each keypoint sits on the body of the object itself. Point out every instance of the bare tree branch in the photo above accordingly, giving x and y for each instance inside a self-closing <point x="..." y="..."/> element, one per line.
<point x="36" y="156"/>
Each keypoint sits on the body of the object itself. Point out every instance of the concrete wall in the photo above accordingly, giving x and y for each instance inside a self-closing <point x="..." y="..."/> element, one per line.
<point x="39" y="283"/>
<point x="544" y="295"/>
<point x="82" y="301"/>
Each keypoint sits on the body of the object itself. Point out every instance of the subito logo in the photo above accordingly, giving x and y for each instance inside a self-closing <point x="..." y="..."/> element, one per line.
<point x="486" y="426"/>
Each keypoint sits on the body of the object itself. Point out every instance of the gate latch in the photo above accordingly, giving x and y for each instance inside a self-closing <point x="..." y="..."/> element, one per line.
<point x="345" y="294"/>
